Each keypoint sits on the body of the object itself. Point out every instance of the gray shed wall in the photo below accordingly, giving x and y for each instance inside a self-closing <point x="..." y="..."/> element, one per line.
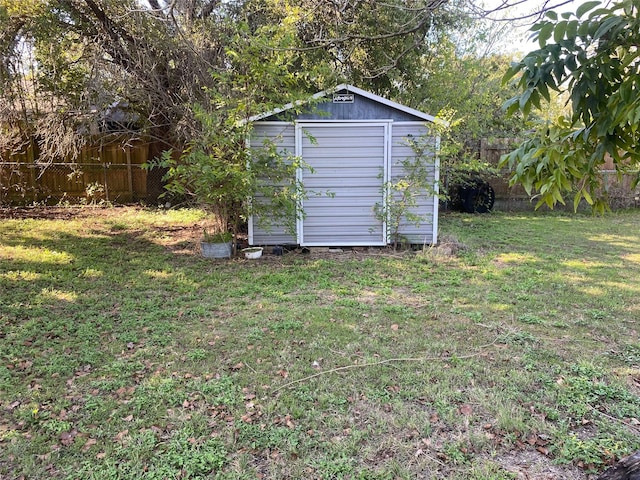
<point x="263" y="231"/>
<point x="426" y="206"/>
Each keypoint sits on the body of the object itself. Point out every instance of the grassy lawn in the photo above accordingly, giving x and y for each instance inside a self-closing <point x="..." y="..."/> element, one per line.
<point x="511" y="351"/>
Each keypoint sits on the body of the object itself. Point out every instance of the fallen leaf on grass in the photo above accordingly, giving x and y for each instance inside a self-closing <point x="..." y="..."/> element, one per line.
<point x="395" y="327"/>
<point x="88" y="444"/>
<point x="237" y="366"/>
<point x="543" y="450"/>
<point x="25" y="365"/>
<point x="66" y="438"/>
<point x="101" y="455"/>
<point x="123" y="391"/>
<point x="466" y="409"/>
<point x="288" y="422"/>
<point x="283" y="373"/>
<point x="121" y="435"/>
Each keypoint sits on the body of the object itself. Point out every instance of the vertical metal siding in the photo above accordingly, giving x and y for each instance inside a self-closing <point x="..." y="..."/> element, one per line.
<point x="427" y="203"/>
<point x="284" y="134"/>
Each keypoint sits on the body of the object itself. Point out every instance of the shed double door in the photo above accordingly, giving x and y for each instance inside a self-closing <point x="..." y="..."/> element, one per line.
<point x="344" y="178"/>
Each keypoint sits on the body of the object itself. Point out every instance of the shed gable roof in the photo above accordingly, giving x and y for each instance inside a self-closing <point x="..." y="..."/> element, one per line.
<point x="350" y="89"/>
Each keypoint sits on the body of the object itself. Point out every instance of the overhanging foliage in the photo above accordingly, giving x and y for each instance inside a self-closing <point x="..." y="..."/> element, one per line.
<point x="592" y="54"/>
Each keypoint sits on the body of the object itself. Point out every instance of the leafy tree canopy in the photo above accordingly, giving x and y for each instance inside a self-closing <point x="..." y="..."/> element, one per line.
<point x="592" y="55"/>
<point x="67" y="58"/>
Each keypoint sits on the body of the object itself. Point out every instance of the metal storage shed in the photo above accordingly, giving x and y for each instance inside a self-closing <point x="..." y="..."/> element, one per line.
<point x="354" y="143"/>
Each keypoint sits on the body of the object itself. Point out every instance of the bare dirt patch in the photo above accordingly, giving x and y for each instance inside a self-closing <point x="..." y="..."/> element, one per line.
<point x="532" y="465"/>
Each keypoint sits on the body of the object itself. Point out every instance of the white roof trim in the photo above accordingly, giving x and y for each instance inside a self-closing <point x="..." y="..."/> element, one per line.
<point x="350" y="88"/>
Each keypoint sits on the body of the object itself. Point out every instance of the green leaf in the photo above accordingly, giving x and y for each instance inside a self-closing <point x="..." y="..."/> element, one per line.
<point x="606" y="25"/>
<point x="513" y="70"/>
<point x="509" y="105"/>
<point x="545" y="34"/>
<point x="524" y="98"/>
<point x="552" y="15"/>
<point x="585" y="7"/>
<point x="536" y="27"/>
<point x="544" y="90"/>
<point x="572" y="29"/>
<point x="559" y="31"/>
<point x="535" y="99"/>
<point x="570" y="63"/>
<point x="576" y="200"/>
<point x="583" y="29"/>
<point x="600" y="12"/>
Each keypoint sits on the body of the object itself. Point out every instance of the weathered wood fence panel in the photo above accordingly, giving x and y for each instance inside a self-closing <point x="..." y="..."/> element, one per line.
<point x="107" y="172"/>
<point x="619" y="189"/>
<point x="490" y="153"/>
<point x="113" y="172"/>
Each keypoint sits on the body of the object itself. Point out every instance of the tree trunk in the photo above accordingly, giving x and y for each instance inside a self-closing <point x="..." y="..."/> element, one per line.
<point x="626" y="469"/>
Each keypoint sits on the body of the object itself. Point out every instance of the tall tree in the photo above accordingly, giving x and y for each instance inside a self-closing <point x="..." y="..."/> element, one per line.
<point x="592" y="55"/>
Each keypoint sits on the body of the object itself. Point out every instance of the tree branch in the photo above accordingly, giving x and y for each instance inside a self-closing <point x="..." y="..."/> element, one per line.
<point x="384" y="362"/>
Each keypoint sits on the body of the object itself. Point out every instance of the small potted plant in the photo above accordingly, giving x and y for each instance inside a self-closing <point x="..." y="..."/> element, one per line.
<point x="216" y="245"/>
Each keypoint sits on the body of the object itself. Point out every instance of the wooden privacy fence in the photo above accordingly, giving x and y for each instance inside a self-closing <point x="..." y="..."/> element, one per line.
<point x="621" y="194"/>
<point x="113" y="172"/>
<point x="490" y="152"/>
<point x="108" y="172"/>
